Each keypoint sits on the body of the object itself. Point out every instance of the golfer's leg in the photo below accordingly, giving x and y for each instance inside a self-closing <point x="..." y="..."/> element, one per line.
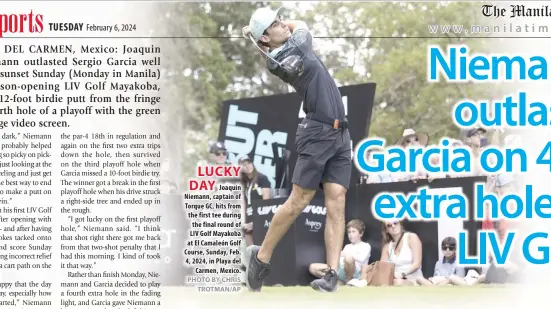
<point x="306" y="179"/>
<point x="334" y="222"/>
<point x="336" y="178"/>
<point x="282" y="220"/>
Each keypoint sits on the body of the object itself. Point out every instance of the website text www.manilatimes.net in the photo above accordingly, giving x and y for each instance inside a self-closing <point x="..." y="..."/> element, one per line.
<point x="488" y="29"/>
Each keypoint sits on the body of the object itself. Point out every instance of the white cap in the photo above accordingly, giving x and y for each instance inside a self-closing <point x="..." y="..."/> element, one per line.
<point x="262" y="19"/>
<point x="504" y="179"/>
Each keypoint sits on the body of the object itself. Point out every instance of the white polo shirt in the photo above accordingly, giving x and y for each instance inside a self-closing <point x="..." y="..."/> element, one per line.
<point x="360" y="251"/>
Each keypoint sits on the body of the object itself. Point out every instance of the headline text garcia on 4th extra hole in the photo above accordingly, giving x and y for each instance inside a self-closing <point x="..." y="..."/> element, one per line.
<point x="441" y="158"/>
<point x="427" y="205"/>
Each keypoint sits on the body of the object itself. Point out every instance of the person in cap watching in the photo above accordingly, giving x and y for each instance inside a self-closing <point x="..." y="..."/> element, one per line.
<point x="410" y="138"/>
<point x="503" y="185"/>
<point x="218" y="155"/>
<point x="475" y="139"/>
<point x="218" y="152"/>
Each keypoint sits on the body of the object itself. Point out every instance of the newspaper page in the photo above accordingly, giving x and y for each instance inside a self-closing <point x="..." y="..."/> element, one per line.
<point x="166" y="154"/>
<point x="84" y="141"/>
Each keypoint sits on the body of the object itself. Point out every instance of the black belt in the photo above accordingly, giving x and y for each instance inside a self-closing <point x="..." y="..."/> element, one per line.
<point x="336" y="123"/>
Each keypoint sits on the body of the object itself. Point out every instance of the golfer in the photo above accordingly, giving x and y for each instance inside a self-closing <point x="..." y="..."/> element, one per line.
<point x="322" y="142"/>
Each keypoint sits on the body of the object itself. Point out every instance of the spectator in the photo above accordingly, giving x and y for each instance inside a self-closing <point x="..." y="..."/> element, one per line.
<point x="256" y="186"/>
<point x="514" y="141"/>
<point x="446" y="271"/>
<point x="511" y="271"/>
<point x="501" y="185"/>
<point x="217" y="154"/>
<point x="405" y="250"/>
<point x="504" y="184"/>
<point x="412" y="139"/>
<point x="435" y="161"/>
<point x="382" y="177"/>
<point x="456" y="143"/>
<point x="475" y="139"/>
<point x="353" y="256"/>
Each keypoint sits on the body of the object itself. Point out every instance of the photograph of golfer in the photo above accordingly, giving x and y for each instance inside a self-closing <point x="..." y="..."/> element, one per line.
<point x="322" y="142"/>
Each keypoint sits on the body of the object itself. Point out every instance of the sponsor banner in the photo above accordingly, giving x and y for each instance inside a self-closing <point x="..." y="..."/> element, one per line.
<point x="272" y="209"/>
<point x="303" y="243"/>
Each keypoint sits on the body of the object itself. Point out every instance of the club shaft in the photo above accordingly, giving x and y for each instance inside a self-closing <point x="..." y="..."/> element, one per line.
<point x="267" y="55"/>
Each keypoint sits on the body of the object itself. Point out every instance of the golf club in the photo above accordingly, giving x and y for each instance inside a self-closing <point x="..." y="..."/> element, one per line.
<point x="291" y="64"/>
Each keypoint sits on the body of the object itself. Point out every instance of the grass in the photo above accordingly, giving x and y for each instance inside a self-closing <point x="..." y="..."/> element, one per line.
<point x="448" y="297"/>
<point x="385" y="292"/>
<point x="402" y="289"/>
<point x="372" y="293"/>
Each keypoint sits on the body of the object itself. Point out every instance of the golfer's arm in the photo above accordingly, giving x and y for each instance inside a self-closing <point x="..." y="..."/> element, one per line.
<point x="295" y="25"/>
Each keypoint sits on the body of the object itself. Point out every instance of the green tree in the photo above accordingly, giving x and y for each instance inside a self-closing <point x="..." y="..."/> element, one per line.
<point x="383" y="42"/>
<point x="390" y="48"/>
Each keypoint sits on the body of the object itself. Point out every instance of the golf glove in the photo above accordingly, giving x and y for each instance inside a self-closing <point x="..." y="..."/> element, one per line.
<point x="246" y="32"/>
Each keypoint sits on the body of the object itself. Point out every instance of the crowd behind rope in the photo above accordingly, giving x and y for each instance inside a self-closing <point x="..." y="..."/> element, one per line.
<point x="400" y="247"/>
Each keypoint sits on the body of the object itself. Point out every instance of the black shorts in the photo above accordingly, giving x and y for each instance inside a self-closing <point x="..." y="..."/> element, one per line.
<point x="324" y="155"/>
